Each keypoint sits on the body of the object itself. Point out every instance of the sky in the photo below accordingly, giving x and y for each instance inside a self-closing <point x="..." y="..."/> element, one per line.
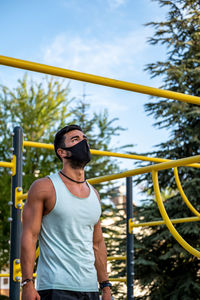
<point x="101" y="37"/>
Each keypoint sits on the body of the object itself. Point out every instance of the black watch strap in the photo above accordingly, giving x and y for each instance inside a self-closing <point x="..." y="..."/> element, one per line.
<point x="104" y="284"/>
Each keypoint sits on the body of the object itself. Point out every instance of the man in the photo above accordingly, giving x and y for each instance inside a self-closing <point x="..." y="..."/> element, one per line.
<point x="63" y="210"/>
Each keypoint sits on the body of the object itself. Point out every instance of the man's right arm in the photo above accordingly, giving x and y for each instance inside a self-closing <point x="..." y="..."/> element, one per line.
<point x="32" y="218"/>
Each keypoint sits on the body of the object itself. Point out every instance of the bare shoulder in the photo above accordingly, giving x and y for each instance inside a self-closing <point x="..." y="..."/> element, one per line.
<point x="41" y="188"/>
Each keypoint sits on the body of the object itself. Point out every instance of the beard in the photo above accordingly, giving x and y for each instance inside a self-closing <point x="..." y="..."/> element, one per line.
<point x="75" y="164"/>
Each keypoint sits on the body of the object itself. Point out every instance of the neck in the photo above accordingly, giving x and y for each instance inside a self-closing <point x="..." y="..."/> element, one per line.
<point x="71" y="179"/>
<point x="75" y="174"/>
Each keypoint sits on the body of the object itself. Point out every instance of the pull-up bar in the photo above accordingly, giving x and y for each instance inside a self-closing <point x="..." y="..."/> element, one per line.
<point x="128" y="86"/>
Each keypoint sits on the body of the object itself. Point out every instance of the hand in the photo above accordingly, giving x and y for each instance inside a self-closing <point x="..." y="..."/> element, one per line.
<point x="29" y="292"/>
<point x="106" y="294"/>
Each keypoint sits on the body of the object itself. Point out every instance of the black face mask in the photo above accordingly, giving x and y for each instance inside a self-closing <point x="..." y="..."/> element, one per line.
<point x="80" y="153"/>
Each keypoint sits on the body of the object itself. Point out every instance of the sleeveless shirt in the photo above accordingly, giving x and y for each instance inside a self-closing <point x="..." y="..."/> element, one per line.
<point x="66" y="259"/>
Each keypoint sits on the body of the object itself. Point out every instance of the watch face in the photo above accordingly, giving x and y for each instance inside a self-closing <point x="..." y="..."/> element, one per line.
<point x="105" y="284"/>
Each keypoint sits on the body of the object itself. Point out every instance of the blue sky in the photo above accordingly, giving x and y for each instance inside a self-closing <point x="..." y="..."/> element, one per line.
<point x="102" y="37"/>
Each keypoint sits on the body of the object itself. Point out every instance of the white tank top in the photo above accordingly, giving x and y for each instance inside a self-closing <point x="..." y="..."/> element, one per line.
<point x="66" y="259"/>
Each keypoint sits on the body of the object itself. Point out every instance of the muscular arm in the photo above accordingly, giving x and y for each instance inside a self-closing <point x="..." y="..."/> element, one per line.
<point x="32" y="218"/>
<point x="100" y="253"/>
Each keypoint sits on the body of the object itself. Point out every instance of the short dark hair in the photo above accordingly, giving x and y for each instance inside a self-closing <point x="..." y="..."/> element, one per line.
<point x="59" y="140"/>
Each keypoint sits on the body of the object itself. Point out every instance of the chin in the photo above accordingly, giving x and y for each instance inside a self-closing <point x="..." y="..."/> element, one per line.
<point x="77" y="164"/>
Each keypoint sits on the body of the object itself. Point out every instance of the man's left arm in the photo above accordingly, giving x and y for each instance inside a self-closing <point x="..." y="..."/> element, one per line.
<point x="101" y="259"/>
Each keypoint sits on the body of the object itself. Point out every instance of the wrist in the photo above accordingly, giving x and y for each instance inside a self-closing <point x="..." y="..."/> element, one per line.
<point x="106" y="289"/>
<point x="27" y="282"/>
<point x="105" y="285"/>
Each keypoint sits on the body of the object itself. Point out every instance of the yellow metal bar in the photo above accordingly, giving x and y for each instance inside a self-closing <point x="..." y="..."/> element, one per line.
<point x="116" y="258"/>
<point x="14" y="165"/>
<point x="11" y="165"/>
<point x="38" y="145"/>
<point x="107" y="153"/>
<point x="5" y="164"/>
<point x="41" y="68"/>
<point x="118" y="279"/>
<point x="130" y="225"/>
<point x="18" y="196"/>
<point x="16" y="270"/>
<point x="5" y="275"/>
<point x="22" y="196"/>
<point x="183" y="195"/>
<point x="161" y="222"/>
<point x="8" y="275"/>
<point x="148" y="169"/>
<point x="168" y="222"/>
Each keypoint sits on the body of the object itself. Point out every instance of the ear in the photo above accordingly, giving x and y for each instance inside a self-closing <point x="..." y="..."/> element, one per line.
<point x="63" y="153"/>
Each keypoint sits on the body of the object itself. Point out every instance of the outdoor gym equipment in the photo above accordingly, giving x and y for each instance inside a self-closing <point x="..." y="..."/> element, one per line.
<point x="162" y="164"/>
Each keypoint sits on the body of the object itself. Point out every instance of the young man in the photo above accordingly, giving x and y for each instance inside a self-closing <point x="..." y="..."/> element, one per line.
<point x="63" y="210"/>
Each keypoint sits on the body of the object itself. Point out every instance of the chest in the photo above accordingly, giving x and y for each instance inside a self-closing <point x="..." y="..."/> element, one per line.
<point x="74" y="205"/>
<point x="68" y="191"/>
<point x="79" y="191"/>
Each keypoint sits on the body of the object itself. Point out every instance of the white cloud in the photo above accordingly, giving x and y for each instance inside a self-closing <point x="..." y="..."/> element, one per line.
<point x="115" y="3"/>
<point x="106" y="58"/>
<point x="120" y="58"/>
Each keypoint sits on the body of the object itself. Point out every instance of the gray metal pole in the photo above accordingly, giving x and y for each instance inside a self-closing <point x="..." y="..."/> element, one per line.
<point x="15" y="227"/>
<point x="129" y="244"/>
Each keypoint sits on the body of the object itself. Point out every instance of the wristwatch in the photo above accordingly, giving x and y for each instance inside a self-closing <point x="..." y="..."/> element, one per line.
<point x="104" y="284"/>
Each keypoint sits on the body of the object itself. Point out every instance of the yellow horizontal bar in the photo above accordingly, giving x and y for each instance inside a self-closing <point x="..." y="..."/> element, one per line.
<point x="116" y="258"/>
<point x="107" y="153"/>
<point x="35" y="275"/>
<point x="41" y="68"/>
<point x="38" y="145"/>
<point x="5" y="275"/>
<point x="148" y="169"/>
<point x="136" y="157"/>
<point x="8" y="275"/>
<point x="161" y="222"/>
<point x="118" y="279"/>
<point x="5" y="164"/>
<point x="22" y="197"/>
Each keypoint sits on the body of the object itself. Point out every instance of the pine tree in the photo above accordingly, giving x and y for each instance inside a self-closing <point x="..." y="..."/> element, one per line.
<point x="163" y="268"/>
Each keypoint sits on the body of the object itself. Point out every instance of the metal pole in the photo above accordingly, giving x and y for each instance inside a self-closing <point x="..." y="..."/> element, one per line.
<point x="15" y="227"/>
<point x="129" y="244"/>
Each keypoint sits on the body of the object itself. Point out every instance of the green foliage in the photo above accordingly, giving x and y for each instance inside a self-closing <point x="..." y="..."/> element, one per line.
<point x="163" y="268"/>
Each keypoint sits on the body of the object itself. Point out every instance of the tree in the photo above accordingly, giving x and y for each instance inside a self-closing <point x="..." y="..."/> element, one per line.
<point x="162" y="266"/>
